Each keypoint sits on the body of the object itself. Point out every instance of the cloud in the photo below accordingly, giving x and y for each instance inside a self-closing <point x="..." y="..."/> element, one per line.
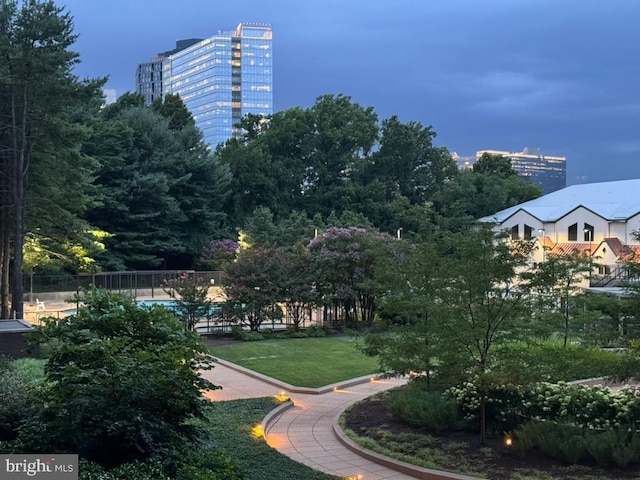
<point x="625" y="146"/>
<point x="507" y="93"/>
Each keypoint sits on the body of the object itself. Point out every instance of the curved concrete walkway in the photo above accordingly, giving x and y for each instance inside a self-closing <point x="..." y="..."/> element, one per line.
<point x="307" y="431"/>
<point x="304" y="432"/>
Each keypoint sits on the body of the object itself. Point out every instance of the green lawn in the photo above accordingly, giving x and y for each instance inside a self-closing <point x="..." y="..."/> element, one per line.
<point x="304" y="362"/>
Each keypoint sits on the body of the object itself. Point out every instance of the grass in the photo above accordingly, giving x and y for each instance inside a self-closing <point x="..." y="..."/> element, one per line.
<point x="304" y="362"/>
<point x="230" y="425"/>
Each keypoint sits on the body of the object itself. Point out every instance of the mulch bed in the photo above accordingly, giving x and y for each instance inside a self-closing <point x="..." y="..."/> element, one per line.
<point x="493" y="459"/>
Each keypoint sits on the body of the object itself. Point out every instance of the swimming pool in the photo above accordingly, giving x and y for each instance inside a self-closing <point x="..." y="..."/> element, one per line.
<point x="169" y="304"/>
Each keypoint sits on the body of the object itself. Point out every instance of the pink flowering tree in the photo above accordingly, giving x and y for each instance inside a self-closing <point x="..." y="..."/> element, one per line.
<point x="218" y="254"/>
<point x="345" y="261"/>
<point x="191" y="298"/>
<point x="297" y="283"/>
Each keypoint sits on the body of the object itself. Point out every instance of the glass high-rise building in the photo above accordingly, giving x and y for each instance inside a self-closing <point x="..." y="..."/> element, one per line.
<point x="220" y="79"/>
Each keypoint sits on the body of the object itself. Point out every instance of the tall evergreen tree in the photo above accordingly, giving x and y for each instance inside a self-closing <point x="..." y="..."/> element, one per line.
<point x="161" y="189"/>
<point x="37" y="93"/>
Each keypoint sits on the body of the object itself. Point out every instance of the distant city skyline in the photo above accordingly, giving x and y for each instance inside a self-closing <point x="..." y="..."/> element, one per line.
<point x="556" y="75"/>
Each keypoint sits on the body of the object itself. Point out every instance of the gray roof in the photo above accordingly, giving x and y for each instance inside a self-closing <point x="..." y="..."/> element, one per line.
<point x="611" y="200"/>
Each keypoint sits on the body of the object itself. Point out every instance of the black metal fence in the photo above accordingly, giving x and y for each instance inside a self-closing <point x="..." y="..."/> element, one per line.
<point x="131" y="282"/>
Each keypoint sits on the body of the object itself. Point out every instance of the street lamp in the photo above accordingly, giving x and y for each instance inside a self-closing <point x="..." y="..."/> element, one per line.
<point x="589" y="234"/>
<point x="542" y="235"/>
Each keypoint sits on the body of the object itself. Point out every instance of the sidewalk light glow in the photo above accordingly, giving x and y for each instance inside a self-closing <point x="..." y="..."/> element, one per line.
<point x="258" y="431"/>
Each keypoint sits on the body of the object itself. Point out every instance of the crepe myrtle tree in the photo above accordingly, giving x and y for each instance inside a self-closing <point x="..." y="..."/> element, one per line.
<point x="218" y="254"/>
<point x="345" y="261"/>
<point x="253" y="287"/>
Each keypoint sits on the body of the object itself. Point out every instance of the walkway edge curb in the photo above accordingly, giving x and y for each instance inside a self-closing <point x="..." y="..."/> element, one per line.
<point x="293" y="388"/>
<point x="273" y="416"/>
<point x="397" y="465"/>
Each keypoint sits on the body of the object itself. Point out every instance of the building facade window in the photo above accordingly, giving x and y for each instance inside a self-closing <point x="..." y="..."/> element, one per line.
<point x="604" y="270"/>
<point x="515" y="232"/>
<point x="588" y="232"/>
<point x="573" y="233"/>
<point x="528" y="232"/>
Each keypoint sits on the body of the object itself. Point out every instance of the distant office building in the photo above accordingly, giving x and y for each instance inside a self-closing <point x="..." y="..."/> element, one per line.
<point x="149" y="79"/>
<point x="220" y="79"/>
<point x="547" y="171"/>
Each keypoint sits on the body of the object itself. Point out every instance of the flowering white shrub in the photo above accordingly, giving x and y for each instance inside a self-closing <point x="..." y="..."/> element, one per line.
<point x="595" y="408"/>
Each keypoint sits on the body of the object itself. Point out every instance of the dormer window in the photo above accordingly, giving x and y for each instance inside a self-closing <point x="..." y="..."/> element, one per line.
<point x="588" y="232"/>
<point x="528" y="232"/>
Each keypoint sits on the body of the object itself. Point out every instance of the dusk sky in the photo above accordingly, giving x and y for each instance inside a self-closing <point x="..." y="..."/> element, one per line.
<point x="559" y="75"/>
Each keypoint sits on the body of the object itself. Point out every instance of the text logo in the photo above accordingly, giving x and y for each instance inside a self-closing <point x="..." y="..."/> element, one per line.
<point x="40" y="467"/>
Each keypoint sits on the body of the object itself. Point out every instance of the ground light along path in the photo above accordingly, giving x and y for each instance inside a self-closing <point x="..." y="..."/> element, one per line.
<point x="304" y="432"/>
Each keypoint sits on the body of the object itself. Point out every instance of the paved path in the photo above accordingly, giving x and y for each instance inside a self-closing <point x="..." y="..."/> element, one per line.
<point x="305" y="431"/>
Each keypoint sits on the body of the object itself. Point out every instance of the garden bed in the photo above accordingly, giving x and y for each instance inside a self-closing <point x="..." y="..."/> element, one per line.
<point x="462" y="452"/>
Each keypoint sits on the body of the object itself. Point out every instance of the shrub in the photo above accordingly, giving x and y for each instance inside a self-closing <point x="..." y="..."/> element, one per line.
<point x="553" y="362"/>
<point x="19" y="380"/>
<point x="425" y="408"/>
<point x="315" y="331"/>
<point x="31" y="370"/>
<point x="149" y="470"/>
<point x="559" y="441"/>
<point x="236" y="332"/>
<point x="204" y="464"/>
<point x="251" y="336"/>
<point x="589" y="407"/>
<point x="616" y="446"/>
<point x="123" y="381"/>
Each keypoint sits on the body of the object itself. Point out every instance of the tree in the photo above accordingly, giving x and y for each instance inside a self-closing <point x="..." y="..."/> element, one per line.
<point x="483" y="300"/>
<point x="252" y="289"/>
<point x="555" y="285"/>
<point x="297" y="284"/>
<point x="218" y="254"/>
<point x="191" y="298"/>
<point x="412" y="311"/>
<point x="345" y="261"/>
<point x="37" y="93"/>
<point x="475" y="194"/>
<point x="261" y="228"/>
<point x="123" y="380"/>
<point x="160" y="190"/>
<point x="498" y="165"/>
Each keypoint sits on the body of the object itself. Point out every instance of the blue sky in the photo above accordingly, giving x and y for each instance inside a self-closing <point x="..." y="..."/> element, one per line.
<point x="559" y="75"/>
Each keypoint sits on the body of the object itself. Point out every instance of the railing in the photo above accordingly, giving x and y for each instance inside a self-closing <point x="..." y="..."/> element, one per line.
<point x="618" y="276"/>
<point x="133" y="282"/>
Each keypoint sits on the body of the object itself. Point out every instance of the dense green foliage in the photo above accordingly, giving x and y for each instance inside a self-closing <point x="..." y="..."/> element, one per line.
<point x="39" y="132"/>
<point x="122" y="381"/>
<point x="159" y="189"/>
<point x="19" y="381"/>
<point x="190" y="298"/>
<point x="429" y="409"/>
<point x="230" y="424"/>
<point x="618" y="446"/>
